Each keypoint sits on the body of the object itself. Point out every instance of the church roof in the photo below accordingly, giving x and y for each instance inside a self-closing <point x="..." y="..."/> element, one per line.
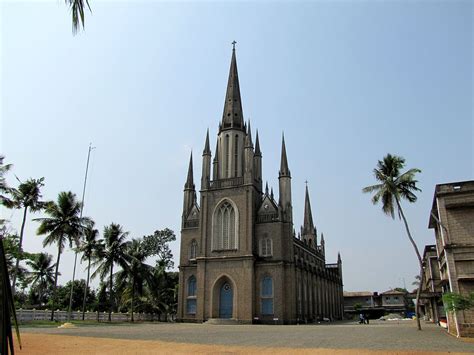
<point x="233" y="116"/>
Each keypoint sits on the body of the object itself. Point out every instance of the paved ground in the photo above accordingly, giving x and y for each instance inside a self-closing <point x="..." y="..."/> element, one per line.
<point x="381" y="336"/>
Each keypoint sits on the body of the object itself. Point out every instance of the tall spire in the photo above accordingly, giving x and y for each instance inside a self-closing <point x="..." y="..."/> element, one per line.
<point x="207" y="149"/>
<point x="308" y="225"/>
<point x="190" y="181"/>
<point x="233" y="116"/>
<point x="284" y="170"/>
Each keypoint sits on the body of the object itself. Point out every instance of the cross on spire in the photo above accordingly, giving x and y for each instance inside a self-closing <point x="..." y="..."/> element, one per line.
<point x="233" y="45"/>
<point x="306" y="182"/>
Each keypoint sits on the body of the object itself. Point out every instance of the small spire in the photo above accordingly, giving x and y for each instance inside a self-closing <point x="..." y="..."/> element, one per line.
<point x="284" y="171"/>
<point x="266" y="188"/>
<point x="216" y="155"/>
<point x="248" y="137"/>
<point x="207" y="149"/>
<point x="257" y="146"/>
<point x="308" y="225"/>
<point x="339" y="260"/>
<point x="189" y="181"/>
<point x="322" y="239"/>
<point x="271" y="193"/>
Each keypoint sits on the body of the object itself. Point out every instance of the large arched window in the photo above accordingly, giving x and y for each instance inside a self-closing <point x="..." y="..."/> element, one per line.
<point x="193" y="250"/>
<point x="225" y="222"/>
<point x="267" y="296"/>
<point x="191" y="297"/>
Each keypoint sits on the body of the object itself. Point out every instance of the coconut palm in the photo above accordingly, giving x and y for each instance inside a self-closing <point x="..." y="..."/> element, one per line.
<point x="90" y="248"/>
<point x="26" y="196"/>
<point x="115" y="252"/>
<point x="77" y="10"/>
<point x="393" y="187"/>
<point x="132" y="280"/>
<point x="4" y="168"/>
<point x="41" y="275"/>
<point x="63" y="226"/>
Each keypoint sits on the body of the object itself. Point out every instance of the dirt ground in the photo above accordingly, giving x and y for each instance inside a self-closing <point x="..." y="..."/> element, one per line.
<point x="65" y="344"/>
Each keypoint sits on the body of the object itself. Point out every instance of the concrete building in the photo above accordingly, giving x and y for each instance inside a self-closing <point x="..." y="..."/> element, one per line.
<point x="452" y="218"/>
<point x="240" y="257"/>
<point x="430" y="297"/>
<point x="374" y="304"/>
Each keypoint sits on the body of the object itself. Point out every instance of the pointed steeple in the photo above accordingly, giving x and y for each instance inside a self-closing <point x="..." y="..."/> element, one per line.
<point x="233" y="116"/>
<point x="257" y="146"/>
<point x="248" y="137"/>
<point x="266" y="188"/>
<point x="284" y="170"/>
<point x="190" y="181"/>
<point x="339" y="260"/>
<point x="207" y="149"/>
<point x="308" y="225"/>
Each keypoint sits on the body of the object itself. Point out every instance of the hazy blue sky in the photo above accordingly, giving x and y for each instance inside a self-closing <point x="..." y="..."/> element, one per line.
<point x="347" y="82"/>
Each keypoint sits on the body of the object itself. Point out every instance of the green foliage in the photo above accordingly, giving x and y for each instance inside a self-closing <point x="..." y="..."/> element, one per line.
<point x="454" y="302"/>
<point x="401" y="289"/>
<point x="157" y="244"/>
<point x="63" y="294"/>
<point x="357" y="307"/>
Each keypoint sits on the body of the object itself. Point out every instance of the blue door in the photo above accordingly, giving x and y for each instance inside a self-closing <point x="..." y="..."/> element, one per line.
<point x="226" y="301"/>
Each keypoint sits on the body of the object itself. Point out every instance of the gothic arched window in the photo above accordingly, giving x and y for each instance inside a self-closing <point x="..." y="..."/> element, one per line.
<point x="193" y="250"/>
<point x="266" y="248"/>
<point x="225" y="222"/>
<point x="191" y="298"/>
<point x="267" y="295"/>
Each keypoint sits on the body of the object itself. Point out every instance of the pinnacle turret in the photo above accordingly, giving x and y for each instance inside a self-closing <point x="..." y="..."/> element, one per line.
<point x="207" y="148"/>
<point x="190" y="180"/>
<point x="308" y="225"/>
<point x="257" y="146"/>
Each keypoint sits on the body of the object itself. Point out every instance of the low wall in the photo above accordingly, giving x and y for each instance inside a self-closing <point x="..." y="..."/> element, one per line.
<point x="29" y="315"/>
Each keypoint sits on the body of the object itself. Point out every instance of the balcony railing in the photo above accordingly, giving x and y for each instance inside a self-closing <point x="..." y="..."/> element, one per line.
<point x="191" y="224"/>
<point x="230" y="182"/>
<point x="268" y="217"/>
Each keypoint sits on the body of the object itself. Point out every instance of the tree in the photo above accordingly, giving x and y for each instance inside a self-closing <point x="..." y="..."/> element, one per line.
<point x="131" y="281"/>
<point x="77" y="10"/>
<point x="41" y="275"/>
<point x="4" y="189"/>
<point x="63" y="294"/>
<point x="26" y="196"/>
<point x="158" y="244"/>
<point x="63" y="226"/>
<point x="392" y="187"/>
<point x="454" y="302"/>
<point x="91" y="247"/>
<point x="113" y="253"/>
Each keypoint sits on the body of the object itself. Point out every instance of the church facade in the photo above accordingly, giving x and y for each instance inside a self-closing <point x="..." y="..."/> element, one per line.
<point x="240" y="257"/>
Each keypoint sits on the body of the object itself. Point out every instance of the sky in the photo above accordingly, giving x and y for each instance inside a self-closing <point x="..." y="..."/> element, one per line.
<point x="346" y="81"/>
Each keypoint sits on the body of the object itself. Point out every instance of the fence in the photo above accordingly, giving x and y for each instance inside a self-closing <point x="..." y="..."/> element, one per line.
<point x="29" y="315"/>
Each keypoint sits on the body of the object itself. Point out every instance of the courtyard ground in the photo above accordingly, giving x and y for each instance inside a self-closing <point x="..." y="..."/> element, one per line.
<point x="336" y="338"/>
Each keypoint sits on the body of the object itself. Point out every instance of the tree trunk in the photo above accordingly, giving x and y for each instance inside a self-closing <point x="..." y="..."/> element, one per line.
<point x="55" y="281"/>
<point x="420" y="260"/>
<point x="20" y="251"/>
<point x="111" y="293"/>
<point x="133" y="295"/>
<point x="85" y="291"/>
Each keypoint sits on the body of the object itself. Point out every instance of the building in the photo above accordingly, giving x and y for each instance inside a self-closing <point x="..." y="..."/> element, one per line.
<point x="430" y="297"/>
<point x="452" y="218"/>
<point x="240" y="257"/>
<point x="374" y="304"/>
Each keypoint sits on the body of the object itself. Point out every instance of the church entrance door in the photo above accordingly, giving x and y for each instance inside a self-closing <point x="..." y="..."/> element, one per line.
<point x="226" y="301"/>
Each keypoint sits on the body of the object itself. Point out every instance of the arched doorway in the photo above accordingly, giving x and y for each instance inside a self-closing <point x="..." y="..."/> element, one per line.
<point x="226" y="300"/>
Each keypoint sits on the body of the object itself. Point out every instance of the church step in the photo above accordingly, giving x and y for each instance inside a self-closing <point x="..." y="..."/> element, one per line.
<point x="223" y="321"/>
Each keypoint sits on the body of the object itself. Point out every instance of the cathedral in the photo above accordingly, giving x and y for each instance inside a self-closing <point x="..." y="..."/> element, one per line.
<point x="240" y="257"/>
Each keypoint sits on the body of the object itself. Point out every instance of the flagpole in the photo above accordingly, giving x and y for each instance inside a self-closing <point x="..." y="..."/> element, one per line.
<point x="82" y="208"/>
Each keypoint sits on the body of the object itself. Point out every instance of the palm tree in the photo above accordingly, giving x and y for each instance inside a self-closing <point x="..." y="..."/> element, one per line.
<point x="115" y="252"/>
<point x="77" y="10"/>
<point x="4" y="168"/>
<point x="42" y="273"/>
<point x="26" y="196"/>
<point x="132" y="280"/>
<point x="64" y="225"/>
<point x="392" y="187"/>
<point x="90" y="248"/>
